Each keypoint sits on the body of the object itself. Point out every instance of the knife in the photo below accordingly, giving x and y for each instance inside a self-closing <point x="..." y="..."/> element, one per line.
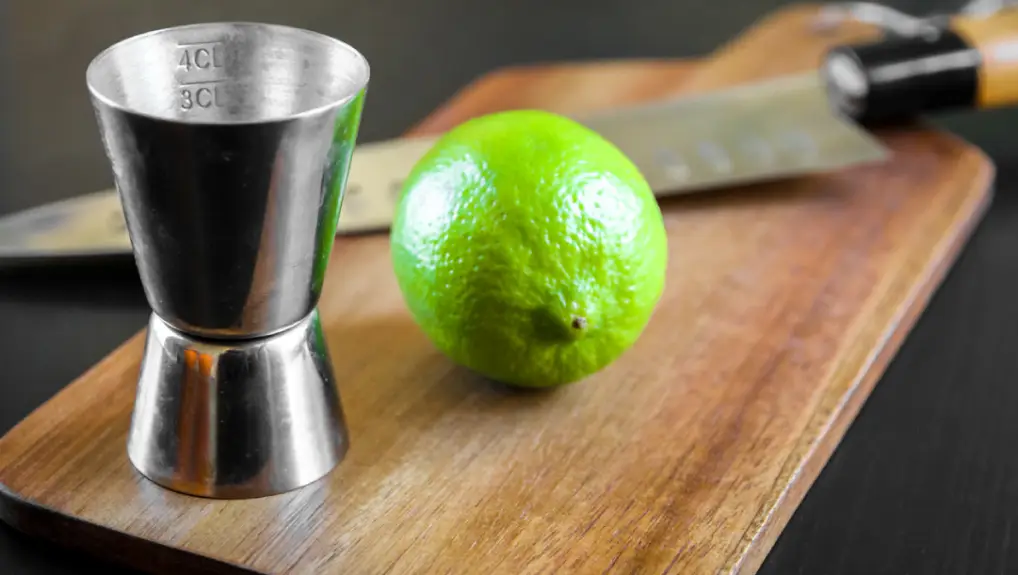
<point x="801" y="124"/>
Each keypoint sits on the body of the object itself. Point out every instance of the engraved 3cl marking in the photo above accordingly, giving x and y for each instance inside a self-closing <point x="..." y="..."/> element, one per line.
<point x="200" y="63"/>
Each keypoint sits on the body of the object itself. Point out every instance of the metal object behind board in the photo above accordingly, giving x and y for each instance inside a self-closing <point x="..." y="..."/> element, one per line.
<point x="757" y="132"/>
<point x="230" y="145"/>
<point x="768" y="130"/>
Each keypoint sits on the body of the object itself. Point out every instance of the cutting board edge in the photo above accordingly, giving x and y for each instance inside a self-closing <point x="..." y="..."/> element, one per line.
<point x="39" y="521"/>
<point x="941" y="259"/>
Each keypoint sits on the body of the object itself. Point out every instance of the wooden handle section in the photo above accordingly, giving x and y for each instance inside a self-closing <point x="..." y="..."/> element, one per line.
<point x="995" y="39"/>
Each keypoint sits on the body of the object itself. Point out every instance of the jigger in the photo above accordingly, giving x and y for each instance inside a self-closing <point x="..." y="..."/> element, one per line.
<point x="230" y="145"/>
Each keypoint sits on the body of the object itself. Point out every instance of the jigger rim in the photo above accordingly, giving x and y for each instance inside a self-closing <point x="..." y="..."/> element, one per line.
<point x="357" y="85"/>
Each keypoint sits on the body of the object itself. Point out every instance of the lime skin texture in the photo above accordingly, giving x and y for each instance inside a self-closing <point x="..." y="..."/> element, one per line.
<point x="528" y="248"/>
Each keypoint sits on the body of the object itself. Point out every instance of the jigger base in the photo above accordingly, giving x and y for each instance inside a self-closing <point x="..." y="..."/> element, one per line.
<point x="236" y="419"/>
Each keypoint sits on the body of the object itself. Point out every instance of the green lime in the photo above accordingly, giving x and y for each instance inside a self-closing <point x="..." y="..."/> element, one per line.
<point x="528" y="248"/>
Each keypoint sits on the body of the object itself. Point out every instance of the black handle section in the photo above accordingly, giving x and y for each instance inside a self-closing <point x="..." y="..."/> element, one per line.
<point x="898" y="78"/>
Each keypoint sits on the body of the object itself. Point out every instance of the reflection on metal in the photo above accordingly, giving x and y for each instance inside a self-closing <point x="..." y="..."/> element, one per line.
<point x="231" y="208"/>
<point x="236" y="419"/>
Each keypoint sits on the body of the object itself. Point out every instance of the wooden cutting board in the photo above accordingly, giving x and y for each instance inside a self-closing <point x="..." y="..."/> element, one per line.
<point x="784" y="304"/>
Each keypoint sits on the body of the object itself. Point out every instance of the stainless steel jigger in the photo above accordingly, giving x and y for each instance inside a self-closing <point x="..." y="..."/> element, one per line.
<point x="230" y="145"/>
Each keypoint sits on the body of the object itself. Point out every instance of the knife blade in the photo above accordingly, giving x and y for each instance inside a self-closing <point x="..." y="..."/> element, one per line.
<point x="679" y="146"/>
<point x="796" y="125"/>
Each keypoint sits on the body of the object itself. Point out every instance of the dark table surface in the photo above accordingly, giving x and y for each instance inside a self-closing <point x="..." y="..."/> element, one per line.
<point x="926" y="480"/>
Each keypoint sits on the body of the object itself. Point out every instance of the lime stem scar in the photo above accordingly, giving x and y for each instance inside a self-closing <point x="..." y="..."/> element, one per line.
<point x="579" y="322"/>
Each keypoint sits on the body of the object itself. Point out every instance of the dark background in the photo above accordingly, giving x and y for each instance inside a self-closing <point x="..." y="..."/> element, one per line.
<point x="926" y="480"/>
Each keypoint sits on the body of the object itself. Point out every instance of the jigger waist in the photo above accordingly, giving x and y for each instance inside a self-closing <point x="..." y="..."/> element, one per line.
<point x="240" y="331"/>
<point x="205" y="307"/>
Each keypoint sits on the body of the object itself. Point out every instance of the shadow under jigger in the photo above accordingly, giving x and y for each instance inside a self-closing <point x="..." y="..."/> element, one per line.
<point x="230" y="145"/>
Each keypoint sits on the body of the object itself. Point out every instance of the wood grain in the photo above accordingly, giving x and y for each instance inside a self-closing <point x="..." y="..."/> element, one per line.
<point x="784" y="304"/>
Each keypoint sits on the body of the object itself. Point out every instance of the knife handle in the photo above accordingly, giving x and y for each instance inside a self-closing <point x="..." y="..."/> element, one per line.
<point x="971" y="63"/>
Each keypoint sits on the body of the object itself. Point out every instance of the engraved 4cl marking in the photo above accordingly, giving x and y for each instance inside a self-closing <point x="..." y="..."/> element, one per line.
<point x="199" y="65"/>
<point x="200" y="55"/>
